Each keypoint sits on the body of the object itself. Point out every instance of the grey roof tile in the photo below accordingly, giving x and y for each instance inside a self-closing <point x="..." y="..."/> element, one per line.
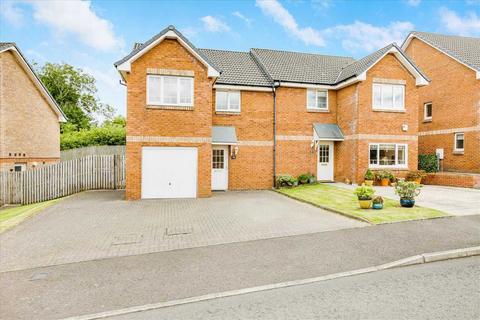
<point x="301" y="67"/>
<point x="464" y="49"/>
<point x="238" y="68"/>
<point x="5" y="45"/>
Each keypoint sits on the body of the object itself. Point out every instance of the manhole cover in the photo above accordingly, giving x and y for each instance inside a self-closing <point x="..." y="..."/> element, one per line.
<point x="38" y="276"/>
<point x="127" y="239"/>
<point x="176" y="231"/>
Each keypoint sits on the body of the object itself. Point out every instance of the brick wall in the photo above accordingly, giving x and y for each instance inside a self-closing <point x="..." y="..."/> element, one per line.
<point x="455" y="94"/>
<point x="29" y="128"/>
<point x="143" y="121"/>
<point x="452" y="179"/>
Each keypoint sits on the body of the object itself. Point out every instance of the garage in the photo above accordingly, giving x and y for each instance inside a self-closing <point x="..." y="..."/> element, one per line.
<point x="169" y="172"/>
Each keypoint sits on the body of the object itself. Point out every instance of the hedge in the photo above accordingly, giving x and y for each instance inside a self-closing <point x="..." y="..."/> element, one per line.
<point x="428" y="162"/>
<point x="97" y="136"/>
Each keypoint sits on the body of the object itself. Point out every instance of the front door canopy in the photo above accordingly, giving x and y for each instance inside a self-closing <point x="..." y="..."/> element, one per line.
<point x="327" y="132"/>
<point x="224" y="135"/>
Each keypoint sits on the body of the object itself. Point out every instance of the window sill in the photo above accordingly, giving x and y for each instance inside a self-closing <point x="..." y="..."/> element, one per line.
<point x="228" y="113"/>
<point x="427" y="120"/>
<point x="318" y="110"/>
<point x="459" y="153"/>
<point x="389" y="110"/>
<point x="166" y="107"/>
<point x="397" y="168"/>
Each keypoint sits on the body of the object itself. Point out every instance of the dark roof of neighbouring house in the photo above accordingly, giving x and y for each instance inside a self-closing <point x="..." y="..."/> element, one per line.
<point x="464" y="49"/>
<point x="239" y="68"/>
<point x="301" y="67"/>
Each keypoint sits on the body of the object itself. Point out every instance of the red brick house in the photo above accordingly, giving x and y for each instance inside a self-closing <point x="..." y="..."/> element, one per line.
<point x="449" y="123"/>
<point x="29" y="116"/>
<point x="200" y="120"/>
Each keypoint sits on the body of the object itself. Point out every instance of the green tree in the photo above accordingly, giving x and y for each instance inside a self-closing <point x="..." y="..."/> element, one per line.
<point x="75" y="91"/>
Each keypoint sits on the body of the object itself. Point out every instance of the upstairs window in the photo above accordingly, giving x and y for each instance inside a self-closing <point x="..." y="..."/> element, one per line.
<point x="388" y="97"/>
<point x="427" y="111"/>
<point x="227" y="101"/>
<point x="169" y="91"/>
<point x="317" y="99"/>
<point x="459" y="142"/>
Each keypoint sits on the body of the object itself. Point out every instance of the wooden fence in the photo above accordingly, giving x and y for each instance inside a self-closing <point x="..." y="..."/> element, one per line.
<point x="71" y="154"/>
<point x="63" y="179"/>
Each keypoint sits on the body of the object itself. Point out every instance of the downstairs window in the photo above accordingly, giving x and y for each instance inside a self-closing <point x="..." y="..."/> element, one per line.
<point x="385" y="155"/>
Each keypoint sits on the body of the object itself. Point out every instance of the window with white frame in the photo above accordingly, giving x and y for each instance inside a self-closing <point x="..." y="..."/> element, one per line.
<point x="227" y="101"/>
<point x="459" y="142"/>
<point x="427" y="111"/>
<point x="388" y="155"/>
<point x="388" y="96"/>
<point x="317" y="99"/>
<point x="169" y="91"/>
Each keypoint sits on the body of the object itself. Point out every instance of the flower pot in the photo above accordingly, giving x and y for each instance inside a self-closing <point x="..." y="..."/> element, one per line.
<point x="368" y="183"/>
<point x="418" y="180"/>
<point x="311" y="180"/>
<point x="377" y="206"/>
<point x="385" y="182"/>
<point x="407" y="203"/>
<point x="365" y="204"/>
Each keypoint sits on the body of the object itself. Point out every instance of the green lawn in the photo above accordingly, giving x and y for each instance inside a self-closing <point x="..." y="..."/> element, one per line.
<point x="10" y="217"/>
<point x="345" y="202"/>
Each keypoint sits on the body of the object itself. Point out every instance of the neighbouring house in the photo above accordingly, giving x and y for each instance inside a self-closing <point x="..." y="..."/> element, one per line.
<point x="200" y="119"/>
<point x="29" y="116"/>
<point x="449" y="109"/>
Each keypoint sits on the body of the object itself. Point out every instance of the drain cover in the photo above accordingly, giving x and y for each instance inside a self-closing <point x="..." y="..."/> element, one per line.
<point x="127" y="239"/>
<point x="38" y="276"/>
<point x="175" y="231"/>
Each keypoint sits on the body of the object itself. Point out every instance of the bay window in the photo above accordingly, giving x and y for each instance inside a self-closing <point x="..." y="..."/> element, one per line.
<point x="169" y="91"/>
<point x="388" y="97"/>
<point x="388" y="155"/>
<point x="227" y="101"/>
<point x="317" y="99"/>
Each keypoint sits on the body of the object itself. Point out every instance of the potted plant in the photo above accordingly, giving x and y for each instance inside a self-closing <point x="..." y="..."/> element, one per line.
<point x="384" y="177"/>
<point x="285" y="180"/>
<point x="364" y="195"/>
<point x="303" y="178"/>
<point x="311" y="178"/>
<point x="407" y="191"/>
<point x="416" y="176"/>
<point x="369" y="177"/>
<point x="377" y="203"/>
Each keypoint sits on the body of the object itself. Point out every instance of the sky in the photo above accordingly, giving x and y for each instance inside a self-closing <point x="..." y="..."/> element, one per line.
<point x="92" y="35"/>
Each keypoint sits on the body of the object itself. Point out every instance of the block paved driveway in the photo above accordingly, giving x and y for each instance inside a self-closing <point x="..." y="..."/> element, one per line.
<point x="100" y="224"/>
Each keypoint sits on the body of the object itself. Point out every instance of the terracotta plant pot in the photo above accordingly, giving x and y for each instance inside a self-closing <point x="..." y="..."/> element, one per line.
<point x="418" y="180"/>
<point x="384" y="182"/>
<point x="368" y="183"/>
<point x="365" y="204"/>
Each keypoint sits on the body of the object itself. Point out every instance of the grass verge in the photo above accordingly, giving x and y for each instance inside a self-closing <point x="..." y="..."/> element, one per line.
<point x="10" y="217"/>
<point x="343" y="201"/>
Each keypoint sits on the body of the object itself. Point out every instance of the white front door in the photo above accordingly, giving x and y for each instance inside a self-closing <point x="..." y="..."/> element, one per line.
<point x="325" y="161"/>
<point x="220" y="168"/>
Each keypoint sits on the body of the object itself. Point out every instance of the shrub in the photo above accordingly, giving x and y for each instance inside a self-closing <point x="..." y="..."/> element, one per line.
<point x="407" y="189"/>
<point x="378" y="199"/>
<point x="428" y="162"/>
<point x="413" y="175"/>
<point x="369" y="175"/>
<point x="285" y="180"/>
<point x="384" y="175"/>
<point x="305" y="178"/>
<point x="97" y="136"/>
<point x="364" y="192"/>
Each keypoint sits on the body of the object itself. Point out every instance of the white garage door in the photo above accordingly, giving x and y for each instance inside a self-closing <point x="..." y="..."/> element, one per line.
<point x="169" y="172"/>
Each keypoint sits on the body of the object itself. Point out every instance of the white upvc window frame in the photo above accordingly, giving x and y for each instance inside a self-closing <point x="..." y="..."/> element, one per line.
<point x="394" y="166"/>
<point x="162" y="103"/>
<point x="425" y="117"/>
<point x="229" y="109"/>
<point x="382" y="107"/>
<point x="316" y="107"/>
<point x="455" y="149"/>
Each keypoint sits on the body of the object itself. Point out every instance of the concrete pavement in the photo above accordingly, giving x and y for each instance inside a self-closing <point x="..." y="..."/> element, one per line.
<point x="454" y="201"/>
<point x="109" y="284"/>
<point x="100" y="224"/>
<point x="441" y="290"/>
